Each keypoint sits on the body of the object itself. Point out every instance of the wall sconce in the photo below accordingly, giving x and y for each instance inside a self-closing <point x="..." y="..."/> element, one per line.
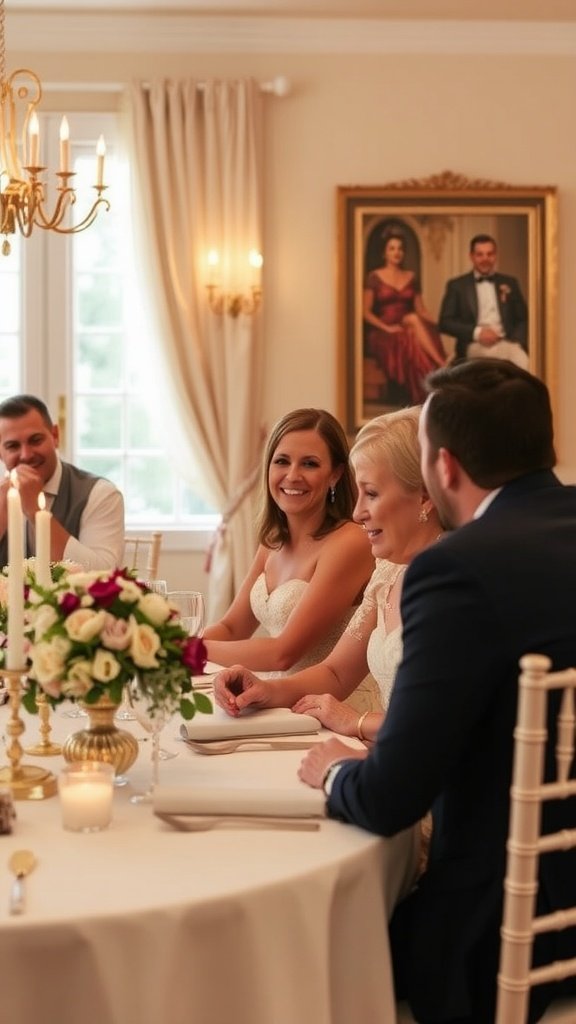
<point x="234" y="301"/>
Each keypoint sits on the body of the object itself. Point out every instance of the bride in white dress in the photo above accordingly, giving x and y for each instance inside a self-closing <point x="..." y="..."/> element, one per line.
<point x="312" y="563"/>
<point x="400" y="521"/>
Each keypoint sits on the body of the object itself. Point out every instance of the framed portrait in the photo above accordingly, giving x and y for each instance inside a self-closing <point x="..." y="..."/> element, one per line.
<point x="417" y="233"/>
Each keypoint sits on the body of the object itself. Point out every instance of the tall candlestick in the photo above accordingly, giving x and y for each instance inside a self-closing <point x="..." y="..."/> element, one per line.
<point x="42" y="522"/>
<point x="15" y="651"/>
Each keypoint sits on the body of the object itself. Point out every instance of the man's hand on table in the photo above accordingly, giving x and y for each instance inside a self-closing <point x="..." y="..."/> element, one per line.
<point x="317" y="761"/>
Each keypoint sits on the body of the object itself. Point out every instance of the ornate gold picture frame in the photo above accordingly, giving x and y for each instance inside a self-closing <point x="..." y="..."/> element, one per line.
<point x="437" y="217"/>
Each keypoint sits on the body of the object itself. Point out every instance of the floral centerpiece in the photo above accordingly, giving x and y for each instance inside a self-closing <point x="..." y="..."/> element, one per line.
<point x="57" y="570"/>
<point x="92" y="633"/>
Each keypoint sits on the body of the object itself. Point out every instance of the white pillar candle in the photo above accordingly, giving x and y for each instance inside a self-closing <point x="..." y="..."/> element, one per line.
<point x="86" y="792"/>
<point x="42" y="523"/>
<point x="15" y="646"/>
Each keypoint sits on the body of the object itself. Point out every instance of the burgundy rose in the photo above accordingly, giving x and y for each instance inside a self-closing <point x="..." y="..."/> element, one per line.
<point x="194" y="655"/>
<point x="104" y="592"/>
<point x="69" y="602"/>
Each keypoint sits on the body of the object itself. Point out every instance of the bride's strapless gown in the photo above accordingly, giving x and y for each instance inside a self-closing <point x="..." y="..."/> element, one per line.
<point x="272" y="609"/>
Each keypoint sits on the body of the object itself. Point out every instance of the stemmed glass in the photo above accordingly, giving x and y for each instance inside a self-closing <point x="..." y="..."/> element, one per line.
<point x="190" y="607"/>
<point x="125" y="712"/>
<point x="153" y="723"/>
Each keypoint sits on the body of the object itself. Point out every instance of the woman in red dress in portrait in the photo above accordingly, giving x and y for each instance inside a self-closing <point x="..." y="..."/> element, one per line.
<point x="401" y="334"/>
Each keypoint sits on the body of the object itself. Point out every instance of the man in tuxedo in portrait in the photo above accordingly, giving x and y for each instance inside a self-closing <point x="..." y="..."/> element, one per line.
<point x="485" y="311"/>
<point x="501" y="583"/>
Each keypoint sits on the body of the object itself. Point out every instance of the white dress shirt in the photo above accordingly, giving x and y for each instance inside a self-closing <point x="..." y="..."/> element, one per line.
<point x="100" y="544"/>
<point x="488" y="309"/>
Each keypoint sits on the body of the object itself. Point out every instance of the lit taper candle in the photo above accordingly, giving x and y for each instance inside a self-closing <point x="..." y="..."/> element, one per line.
<point x="15" y="649"/>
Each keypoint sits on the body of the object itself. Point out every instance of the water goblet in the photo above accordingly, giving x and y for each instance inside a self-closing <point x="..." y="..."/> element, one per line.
<point x="153" y="722"/>
<point x="157" y="586"/>
<point x="190" y="607"/>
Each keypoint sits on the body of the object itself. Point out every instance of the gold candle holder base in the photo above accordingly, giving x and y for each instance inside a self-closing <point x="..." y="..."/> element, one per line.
<point x="26" y="782"/>
<point x="45" y="748"/>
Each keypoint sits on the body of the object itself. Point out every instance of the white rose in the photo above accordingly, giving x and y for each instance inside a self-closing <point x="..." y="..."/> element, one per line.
<point x="86" y="601"/>
<point x="42" y="619"/>
<point x="144" y="644"/>
<point x="105" y="666"/>
<point x="83" y="580"/>
<point x="48" y="660"/>
<point x="84" y="624"/>
<point x="155" y="607"/>
<point x="129" y="592"/>
<point x="79" y="679"/>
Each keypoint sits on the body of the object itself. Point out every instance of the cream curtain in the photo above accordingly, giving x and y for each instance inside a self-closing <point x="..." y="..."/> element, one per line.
<point x="196" y="159"/>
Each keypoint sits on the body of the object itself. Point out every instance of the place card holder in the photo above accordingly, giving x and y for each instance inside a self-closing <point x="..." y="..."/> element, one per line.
<point x="26" y="782"/>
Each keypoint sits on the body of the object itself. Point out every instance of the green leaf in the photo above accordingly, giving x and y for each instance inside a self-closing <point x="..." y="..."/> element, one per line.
<point x="203" y="703"/>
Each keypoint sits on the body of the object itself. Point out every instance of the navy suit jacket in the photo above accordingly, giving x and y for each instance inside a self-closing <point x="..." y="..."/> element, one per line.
<point x="497" y="588"/>
<point x="459" y="310"/>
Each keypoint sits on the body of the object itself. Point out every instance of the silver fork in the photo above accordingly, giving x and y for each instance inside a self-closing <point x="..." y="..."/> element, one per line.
<point x="230" y="746"/>
<point x="198" y="823"/>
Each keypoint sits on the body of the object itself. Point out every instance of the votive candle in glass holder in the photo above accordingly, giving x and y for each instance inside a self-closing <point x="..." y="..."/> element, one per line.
<point x="86" y="790"/>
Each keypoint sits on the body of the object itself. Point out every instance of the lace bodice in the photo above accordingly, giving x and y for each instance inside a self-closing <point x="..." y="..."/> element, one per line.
<point x="384" y="649"/>
<point x="273" y="610"/>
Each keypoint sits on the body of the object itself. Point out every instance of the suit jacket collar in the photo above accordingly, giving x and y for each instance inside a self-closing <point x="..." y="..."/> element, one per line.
<point x="526" y="484"/>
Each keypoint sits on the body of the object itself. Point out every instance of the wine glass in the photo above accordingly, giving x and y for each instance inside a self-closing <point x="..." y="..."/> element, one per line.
<point x="153" y="722"/>
<point x="190" y="607"/>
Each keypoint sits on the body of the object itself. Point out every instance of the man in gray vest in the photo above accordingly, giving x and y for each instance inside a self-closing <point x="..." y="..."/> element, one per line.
<point x="87" y="525"/>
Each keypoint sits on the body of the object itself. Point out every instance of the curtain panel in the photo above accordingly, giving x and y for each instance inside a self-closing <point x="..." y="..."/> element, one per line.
<point x="197" y="168"/>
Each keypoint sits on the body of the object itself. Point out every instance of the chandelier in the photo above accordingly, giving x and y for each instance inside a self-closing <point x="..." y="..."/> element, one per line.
<point x="23" y="200"/>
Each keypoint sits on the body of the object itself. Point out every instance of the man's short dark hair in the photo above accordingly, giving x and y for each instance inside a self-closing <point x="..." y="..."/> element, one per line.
<point x="17" y="406"/>
<point x="494" y="417"/>
<point x="481" y="240"/>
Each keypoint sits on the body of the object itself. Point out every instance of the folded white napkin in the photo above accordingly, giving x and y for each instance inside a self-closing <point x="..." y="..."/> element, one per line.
<point x="269" y="722"/>
<point x="273" y="803"/>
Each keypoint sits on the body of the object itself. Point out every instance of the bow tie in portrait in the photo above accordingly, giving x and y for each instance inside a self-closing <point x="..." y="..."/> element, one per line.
<point x="485" y="277"/>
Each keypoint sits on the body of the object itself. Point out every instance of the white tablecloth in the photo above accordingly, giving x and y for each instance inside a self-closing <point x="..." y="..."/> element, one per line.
<point x="141" y="924"/>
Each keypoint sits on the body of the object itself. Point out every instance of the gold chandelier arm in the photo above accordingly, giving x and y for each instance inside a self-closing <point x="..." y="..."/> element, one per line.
<point x="89" y="219"/>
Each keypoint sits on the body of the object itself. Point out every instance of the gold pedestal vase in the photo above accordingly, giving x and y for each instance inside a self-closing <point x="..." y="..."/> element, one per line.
<point x="103" y="740"/>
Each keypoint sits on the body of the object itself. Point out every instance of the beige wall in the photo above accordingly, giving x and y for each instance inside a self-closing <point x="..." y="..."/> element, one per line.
<point x="371" y="119"/>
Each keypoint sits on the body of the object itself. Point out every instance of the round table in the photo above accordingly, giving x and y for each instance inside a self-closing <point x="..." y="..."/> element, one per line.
<point x="142" y="924"/>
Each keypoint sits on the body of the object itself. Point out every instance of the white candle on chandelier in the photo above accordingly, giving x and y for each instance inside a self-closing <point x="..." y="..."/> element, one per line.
<point x="42" y="523"/>
<point x="100" y="154"/>
<point x="64" y="146"/>
<point x="15" y="647"/>
<point x="34" y="140"/>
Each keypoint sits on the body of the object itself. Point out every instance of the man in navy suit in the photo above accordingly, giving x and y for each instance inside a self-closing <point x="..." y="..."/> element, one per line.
<point x="501" y="584"/>
<point x="485" y="311"/>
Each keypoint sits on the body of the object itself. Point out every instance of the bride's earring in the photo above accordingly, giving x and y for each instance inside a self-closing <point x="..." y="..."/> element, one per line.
<point x="332" y="495"/>
<point x="423" y="515"/>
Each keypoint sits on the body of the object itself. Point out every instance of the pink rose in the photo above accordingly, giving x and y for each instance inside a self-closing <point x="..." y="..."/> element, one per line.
<point x="116" y="634"/>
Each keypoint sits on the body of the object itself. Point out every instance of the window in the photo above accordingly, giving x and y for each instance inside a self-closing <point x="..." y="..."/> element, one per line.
<point x="65" y="335"/>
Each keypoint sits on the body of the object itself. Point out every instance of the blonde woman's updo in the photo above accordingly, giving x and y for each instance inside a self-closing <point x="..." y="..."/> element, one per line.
<point x="393" y="438"/>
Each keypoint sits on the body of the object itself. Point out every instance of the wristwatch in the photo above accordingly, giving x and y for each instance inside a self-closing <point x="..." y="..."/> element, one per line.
<point x="331" y="773"/>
